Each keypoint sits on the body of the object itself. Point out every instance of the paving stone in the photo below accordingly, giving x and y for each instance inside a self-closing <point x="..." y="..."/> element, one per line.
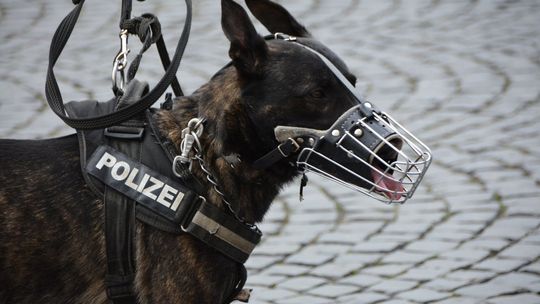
<point x="431" y="246"/>
<point x="533" y="267"/>
<point x="521" y="251"/>
<point x="397" y="301"/>
<point x="360" y="257"/>
<point x="302" y="283"/>
<point x="287" y="269"/>
<point x="386" y="270"/>
<point x="260" y="262"/>
<point x="520" y="298"/>
<point x="310" y="259"/>
<point x="518" y="280"/>
<point x="306" y="299"/>
<point x="466" y="254"/>
<point x="372" y="246"/>
<point x="485" y="290"/>
<point x="423" y="295"/>
<point x="335" y="270"/>
<point x="459" y="300"/>
<point x="343" y="238"/>
<point x="499" y="265"/>
<point x="488" y="244"/>
<point x="364" y="297"/>
<point x="442" y="284"/>
<point x="406" y="257"/>
<point x="393" y="285"/>
<point x="271" y="294"/>
<point x="422" y="274"/>
<point x="470" y="275"/>
<point x="265" y="280"/>
<point x="333" y="290"/>
<point x="273" y="248"/>
<point x="361" y="279"/>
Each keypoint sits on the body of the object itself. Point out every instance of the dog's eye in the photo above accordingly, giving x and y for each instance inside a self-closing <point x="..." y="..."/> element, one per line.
<point x="317" y="94"/>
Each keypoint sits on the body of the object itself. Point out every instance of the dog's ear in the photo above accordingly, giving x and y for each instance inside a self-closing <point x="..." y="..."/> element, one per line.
<point x="248" y="49"/>
<point x="276" y="18"/>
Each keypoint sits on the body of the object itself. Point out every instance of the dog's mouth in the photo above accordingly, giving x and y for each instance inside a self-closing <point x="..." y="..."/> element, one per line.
<point x="386" y="184"/>
<point x="382" y="173"/>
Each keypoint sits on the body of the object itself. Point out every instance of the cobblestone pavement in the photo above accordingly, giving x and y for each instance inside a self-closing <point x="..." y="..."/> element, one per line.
<point x="463" y="75"/>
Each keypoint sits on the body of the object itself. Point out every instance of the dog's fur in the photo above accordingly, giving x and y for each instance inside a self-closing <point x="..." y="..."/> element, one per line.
<point x="52" y="247"/>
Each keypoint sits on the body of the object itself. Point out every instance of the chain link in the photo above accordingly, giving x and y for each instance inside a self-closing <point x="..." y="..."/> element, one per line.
<point x="211" y="179"/>
<point x="194" y="129"/>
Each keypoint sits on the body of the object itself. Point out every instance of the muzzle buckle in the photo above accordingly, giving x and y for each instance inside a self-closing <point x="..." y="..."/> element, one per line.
<point x="288" y="147"/>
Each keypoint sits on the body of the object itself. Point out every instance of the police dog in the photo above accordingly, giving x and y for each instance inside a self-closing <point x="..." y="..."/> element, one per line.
<point x="52" y="247"/>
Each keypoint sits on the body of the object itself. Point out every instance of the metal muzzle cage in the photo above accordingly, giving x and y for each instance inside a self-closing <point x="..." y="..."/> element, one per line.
<point x="373" y="155"/>
<point x="365" y="149"/>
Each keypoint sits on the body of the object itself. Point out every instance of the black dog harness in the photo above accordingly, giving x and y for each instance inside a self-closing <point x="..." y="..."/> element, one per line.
<point x="130" y="166"/>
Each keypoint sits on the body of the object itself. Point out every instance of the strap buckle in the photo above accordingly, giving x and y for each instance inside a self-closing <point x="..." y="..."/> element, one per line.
<point x="190" y="212"/>
<point x="289" y="141"/>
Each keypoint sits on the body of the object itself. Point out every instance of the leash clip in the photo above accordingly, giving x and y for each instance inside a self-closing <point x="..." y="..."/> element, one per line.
<point x="120" y="62"/>
<point x="190" y="136"/>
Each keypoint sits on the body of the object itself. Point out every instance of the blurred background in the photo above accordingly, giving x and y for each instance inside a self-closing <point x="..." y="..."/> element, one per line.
<point x="462" y="75"/>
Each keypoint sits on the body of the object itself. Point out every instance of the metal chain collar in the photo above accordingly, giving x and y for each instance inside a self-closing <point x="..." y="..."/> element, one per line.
<point x="190" y="141"/>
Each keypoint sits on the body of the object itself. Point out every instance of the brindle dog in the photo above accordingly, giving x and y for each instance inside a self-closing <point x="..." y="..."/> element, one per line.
<point x="52" y="247"/>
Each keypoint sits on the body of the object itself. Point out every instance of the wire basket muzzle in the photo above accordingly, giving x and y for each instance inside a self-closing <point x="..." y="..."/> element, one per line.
<point x="373" y="155"/>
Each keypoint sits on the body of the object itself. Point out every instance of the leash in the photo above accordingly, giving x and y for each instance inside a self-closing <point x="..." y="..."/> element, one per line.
<point x="60" y="38"/>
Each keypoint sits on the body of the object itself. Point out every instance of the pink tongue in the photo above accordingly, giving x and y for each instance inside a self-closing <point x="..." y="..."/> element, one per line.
<point x="387" y="185"/>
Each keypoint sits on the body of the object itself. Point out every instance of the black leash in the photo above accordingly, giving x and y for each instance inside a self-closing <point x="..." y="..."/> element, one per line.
<point x="54" y="96"/>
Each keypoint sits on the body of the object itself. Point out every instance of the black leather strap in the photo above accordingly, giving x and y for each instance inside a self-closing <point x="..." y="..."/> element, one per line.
<point x="282" y="151"/>
<point x="125" y="14"/>
<point x="52" y="91"/>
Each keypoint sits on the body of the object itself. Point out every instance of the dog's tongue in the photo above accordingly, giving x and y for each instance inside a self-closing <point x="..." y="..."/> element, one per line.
<point x="388" y="185"/>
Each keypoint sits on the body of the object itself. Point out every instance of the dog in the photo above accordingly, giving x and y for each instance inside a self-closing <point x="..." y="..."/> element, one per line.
<point x="52" y="243"/>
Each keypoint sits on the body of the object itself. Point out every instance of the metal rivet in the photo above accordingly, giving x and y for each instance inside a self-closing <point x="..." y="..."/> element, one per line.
<point x="335" y="133"/>
<point x="300" y="140"/>
<point x="367" y="105"/>
<point x="350" y="154"/>
<point x="214" y="230"/>
<point x="311" y="141"/>
<point x="358" y="132"/>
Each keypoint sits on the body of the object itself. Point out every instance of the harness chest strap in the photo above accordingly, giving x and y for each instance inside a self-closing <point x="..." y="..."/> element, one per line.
<point x="182" y="208"/>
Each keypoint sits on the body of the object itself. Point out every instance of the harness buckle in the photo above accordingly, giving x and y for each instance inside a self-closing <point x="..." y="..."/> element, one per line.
<point x="190" y="213"/>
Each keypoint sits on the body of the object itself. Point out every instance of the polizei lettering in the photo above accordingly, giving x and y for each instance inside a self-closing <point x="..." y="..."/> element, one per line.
<point x="135" y="180"/>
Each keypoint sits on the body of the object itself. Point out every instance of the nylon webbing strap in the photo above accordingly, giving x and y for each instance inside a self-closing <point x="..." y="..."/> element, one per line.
<point x="119" y="230"/>
<point x="52" y="91"/>
<point x="223" y="232"/>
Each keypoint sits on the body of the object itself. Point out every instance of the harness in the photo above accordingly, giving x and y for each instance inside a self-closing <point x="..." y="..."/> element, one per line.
<point x="127" y="162"/>
<point x="130" y="166"/>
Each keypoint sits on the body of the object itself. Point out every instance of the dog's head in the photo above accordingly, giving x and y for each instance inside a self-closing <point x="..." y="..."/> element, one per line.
<point x="291" y="84"/>
<point x="282" y="83"/>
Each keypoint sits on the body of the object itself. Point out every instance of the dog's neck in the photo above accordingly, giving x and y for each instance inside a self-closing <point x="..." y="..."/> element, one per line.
<point x="228" y="135"/>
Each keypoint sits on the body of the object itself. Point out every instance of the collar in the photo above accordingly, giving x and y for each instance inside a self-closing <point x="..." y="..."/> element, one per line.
<point x="217" y="228"/>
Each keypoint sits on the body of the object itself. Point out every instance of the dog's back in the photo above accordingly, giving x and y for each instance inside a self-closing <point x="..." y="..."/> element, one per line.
<point x="47" y="216"/>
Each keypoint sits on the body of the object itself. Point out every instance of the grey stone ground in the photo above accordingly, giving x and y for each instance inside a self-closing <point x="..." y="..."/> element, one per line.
<point x="464" y="75"/>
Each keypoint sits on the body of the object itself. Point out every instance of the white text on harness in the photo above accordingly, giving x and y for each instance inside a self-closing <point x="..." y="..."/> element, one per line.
<point x="146" y="185"/>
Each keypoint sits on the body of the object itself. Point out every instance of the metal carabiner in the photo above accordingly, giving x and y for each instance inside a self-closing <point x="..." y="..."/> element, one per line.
<point x="120" y="61"/>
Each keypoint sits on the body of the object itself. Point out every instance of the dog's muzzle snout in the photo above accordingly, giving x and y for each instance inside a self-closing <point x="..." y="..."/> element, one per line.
<point x="371" y="154"/>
